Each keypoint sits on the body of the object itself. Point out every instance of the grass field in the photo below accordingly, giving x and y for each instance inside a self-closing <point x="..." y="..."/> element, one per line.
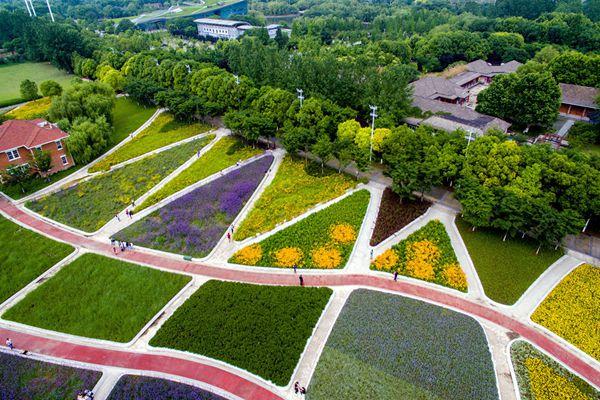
<point x="127" y="116"/>
<point x="11" y="76"/>
<point x="505" y="269"/>
<point x="25" y="255"/>
<point x="262" y="329"/>
<point x="98" y="297"/>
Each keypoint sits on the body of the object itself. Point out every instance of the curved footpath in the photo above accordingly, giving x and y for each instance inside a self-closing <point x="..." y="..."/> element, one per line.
<point x="231" y="382"/>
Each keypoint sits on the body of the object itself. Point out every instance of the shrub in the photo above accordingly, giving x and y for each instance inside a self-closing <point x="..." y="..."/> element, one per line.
<point x="193" y="223"/>
<point x="295" y="189"/>
<point x="427" y="254"/>
<point x="262" y="329"/>
<point x="571" y="309"/>
<point x="92" y="203"/>
<point x="384" y="346"/>
<point x="313" y="237"/>
<point x="50" y="88"/>
<point x="539" y="377"/>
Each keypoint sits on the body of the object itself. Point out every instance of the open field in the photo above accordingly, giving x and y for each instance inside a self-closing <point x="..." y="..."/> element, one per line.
<point x="127" y="116"/>
<point x="25" y="255"/>
<point x="11" y="76"/>
<point x="98" y="297"/>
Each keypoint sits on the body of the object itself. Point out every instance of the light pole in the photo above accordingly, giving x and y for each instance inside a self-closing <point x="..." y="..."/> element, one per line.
<point x="373" y="116"/>
<point x="300" y="96"/>
<point x="50" y="10"/>
<point x="237" y="79"/>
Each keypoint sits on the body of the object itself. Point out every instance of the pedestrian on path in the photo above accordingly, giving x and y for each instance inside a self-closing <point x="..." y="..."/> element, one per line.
<point x="295" y="268"/>
<point x="303" y="391"/>
<point x="198" y="153"/>
<point x="229" y="236"/>
<point x="296" y="387"/>
<point x="301" y="280"/>
<point x="371" y="254"/>
<point x="115" y="249"/>
<point x="9" y="344"/>
<point x="395" y="276"/>
<point x="132" y="203"/>
<point x="117" y="217"/>
<point x="232" y="229"/>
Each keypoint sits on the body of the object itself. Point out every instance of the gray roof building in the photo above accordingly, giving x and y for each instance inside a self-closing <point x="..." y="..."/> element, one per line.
<point x="433" y="87"/>
<point x="582" y="96"/>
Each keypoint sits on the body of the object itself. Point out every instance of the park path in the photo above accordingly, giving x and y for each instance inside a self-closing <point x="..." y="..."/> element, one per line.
<point x="565" y="353"/>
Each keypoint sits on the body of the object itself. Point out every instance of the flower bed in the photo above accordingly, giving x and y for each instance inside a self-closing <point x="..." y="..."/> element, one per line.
<point x="32" y="110"/>
<point x="384" y="346"/>
<point x="225" y="153"/>
<point x="24" y="378"/>
<point x="25" y="255"/>
<point x="193" y="223"/>
<point x="132" y="387"/>
<point x="98" y="297"/>
<point x="426" y="254"/>
<point x="262" y="329"/>
<point x="539" y="377"/>
<point x="163" y="131"/>
<point x="321" y="240"/>
<point x="295" y="189"/>
<point x="394" y="214"/>
<point x="571" y="309"/>
<point x="91" y="204"/>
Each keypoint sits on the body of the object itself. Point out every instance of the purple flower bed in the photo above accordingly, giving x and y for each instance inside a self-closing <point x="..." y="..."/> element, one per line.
<point x="131" y="387"/>
<point x="23" y="378"/>
<point x="194" y="223"/>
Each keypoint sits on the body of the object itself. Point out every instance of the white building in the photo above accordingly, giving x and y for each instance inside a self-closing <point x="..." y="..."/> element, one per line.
<point x="221" y="28"/>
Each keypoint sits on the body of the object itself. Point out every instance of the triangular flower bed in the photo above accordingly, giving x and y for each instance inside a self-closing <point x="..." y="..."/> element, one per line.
<point x="322" y="240"/>
<point x="194" y="223"/>
<point x="426" y="254"/>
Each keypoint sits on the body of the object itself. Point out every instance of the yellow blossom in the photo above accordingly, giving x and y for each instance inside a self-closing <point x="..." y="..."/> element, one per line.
<point x="288" y="257"/>
<point x="327" y="257"/>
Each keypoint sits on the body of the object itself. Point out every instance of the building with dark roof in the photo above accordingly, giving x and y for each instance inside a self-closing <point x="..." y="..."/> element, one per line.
<point x="578" y="101"/>
<point x="20" y="138"/>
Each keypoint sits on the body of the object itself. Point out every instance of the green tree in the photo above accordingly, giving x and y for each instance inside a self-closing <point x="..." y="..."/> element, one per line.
<point x="249" y="124"/>
<point x="17" y="175"/>
<point x="88" y="138"/>
<point x="29" y="90"/>
<point x="83" y="99"/>
<point x="42" y="162"/>
<point x="50" y="88"/>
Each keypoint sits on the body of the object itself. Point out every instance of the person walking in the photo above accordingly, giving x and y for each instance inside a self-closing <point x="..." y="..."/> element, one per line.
<point x="9" y="344"/>
<point x="117" y="217"/>
<point x="232" y="229"/>
<point x="296" y="387"/>
<point x="301" y="280"/>
<point x="303" y="391"/>
<point x="229" y="236"/>
<point x="295" y="268"/>
<point x="371" y="254"/>
<point x="395" y="276"/>
<point x="115" y="249"/>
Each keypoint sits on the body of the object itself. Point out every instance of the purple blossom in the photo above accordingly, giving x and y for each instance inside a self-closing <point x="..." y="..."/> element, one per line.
<point x="194" y="223"/>
<point x="131" y="387"/>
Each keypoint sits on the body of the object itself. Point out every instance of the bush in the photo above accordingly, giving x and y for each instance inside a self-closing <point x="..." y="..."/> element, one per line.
<point x="541" y="378"/>
<point x="570" y="310"/>
<point x="385" y="346"/>
<point x="50" y="88"/>
<point x="262" y="329"/>
<point x="295" y="189"/>
<point x="29" y="90"/>
<point x="426" y="254"/>
<point x="321" y="240"/>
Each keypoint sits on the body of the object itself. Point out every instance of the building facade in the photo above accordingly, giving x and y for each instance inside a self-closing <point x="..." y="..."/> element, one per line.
<point x="577" y="101"/>
<point x="221" y="28"/>
<point x="19" y="139"/>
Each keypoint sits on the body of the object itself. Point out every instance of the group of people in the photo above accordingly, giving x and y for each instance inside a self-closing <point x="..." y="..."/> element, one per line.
<point x="299" y="389"/>
<point x="122" y="245"/>
<point x="85" y="395"/>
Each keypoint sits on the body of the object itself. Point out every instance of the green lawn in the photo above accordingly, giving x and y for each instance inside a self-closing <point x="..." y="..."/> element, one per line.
<point x="226" y="152"/>
<point x="11" y="76"/>
<point x="25" y="255"/>
<point x="262" y="329"/>
<point x="505" y="269"/>
<point x="91" y="204"/>
<point x="98" y="297"/>
<point x="163" y="131"/>
<point x="127" y="117"/>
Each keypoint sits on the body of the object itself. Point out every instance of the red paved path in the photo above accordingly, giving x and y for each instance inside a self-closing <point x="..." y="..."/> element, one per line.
<point x="578" y="364"/>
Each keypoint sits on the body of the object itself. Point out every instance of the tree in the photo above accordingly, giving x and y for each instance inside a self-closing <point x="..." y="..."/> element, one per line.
<point x="50" y="88"/>
<point x="29" y="90"/>
<point x="527" y="9"/>
<point x="124" y="25"/>
<point x="323" y="149"/>
<point x="477" y="202"/>
<point x="17" y="175"/>
<point x="88" y="138"/>
<point x="42" y="162"/>
<point x="249" y="124"/>
<point x="83" y="99"/>
<point x="142" y="90"/>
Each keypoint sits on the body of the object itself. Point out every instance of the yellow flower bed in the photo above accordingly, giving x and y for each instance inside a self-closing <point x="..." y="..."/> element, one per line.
<point x="343" y="233"/>
<point x="34" y="109"/>
<point x="455" y="276"/>
<point x="248" y="255"/>
<point x="293" y="191"/>
<point x="327" y="257"/>
<point x="546" y="384"/>
<point x="571" y="309"/>
<point x="386" y="261"/>
<point x="288" y="257"/>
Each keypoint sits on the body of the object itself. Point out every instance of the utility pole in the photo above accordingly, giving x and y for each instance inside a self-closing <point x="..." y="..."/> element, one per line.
<point x="373" y="116"/>
<point x="300" y="96"/>
<point x="32" y="8"/>
<point x="50" y="10"/>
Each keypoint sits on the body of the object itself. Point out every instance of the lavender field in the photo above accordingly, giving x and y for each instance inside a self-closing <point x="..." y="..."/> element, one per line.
<point x="131" y="387"/>
<point x="384" y="346"/>
<point x="194" y="223"/>
<point x="23" y="378"/>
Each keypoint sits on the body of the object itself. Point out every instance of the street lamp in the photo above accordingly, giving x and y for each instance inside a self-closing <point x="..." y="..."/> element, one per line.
<point x="300" y="96"/>
<point x="373" y="116"/>
<point x="237" y="79"/>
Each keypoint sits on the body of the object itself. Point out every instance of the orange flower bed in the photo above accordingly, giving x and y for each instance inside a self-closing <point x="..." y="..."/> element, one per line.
<point x="343" y="233"/>
<point x="288" y="257"/>
<point x="248" y="255"/>
<point x="327" y="257"/>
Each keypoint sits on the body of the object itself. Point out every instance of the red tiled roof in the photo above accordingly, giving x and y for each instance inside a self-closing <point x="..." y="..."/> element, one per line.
<point x="16" y="133"/>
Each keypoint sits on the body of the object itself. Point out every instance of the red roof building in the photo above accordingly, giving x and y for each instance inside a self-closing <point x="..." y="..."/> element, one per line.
<point x="20" y="138"/>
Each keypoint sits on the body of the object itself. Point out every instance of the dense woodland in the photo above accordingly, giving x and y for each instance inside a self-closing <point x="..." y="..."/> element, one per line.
<point x="347" y="55"/>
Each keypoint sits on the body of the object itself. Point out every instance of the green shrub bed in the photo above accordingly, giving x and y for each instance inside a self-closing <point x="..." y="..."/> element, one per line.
<point x="262" y="329"/>
<point x="98" y="297"/>
<point x="322" y="240"/>
<point x="91" y="204"/>
<point x="385" y="346"/>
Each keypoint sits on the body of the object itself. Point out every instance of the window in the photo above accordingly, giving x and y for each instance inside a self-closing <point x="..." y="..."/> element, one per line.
<point x="13" y="154"/>
<point x="59" y="145"/>
<point x="64" y="160"/>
